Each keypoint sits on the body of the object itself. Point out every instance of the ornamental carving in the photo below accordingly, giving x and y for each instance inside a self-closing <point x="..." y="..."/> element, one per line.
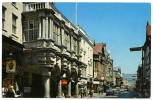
<point x="42" y="60"/>
<point x="74" y="56"/>
<point x="51" y="58"/>
<point x="45" y="72"/>
<point x="81" y="50"/>
<point x="50" y="44"/>
<point x="41" y="14"/>
<point x="42" y="44"/>
<point x="58" y="58"/>
<point x="63" y="51"/>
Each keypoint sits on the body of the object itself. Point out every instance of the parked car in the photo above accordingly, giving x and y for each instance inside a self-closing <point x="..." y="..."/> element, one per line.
<point x="122" y="89"/>
<point x="114" y="91"/>
<point x="109" y="92"/>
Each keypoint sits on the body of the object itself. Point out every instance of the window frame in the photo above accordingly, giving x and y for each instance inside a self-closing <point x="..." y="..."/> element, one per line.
<point x="27" y="29"/>
<point x="3" y="16"/>
<point x="55" y="33"/>
<point x="14" y="23"/>
<point x="74" y="45"/>
<point x="67" y="40"/>
<point x="14" y="3"/>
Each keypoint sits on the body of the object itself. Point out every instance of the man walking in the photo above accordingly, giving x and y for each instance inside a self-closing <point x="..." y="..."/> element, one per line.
<point x="98" y="89"/>
<point x="85" y="91"/>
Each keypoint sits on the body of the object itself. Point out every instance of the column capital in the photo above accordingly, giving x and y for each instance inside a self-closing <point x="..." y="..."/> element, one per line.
<point x="41" y="14"/>
<point x="62" y="25"/>
<point x="51" y="16"/>
<point x="46" y="72"/>
<point x="58" y="58"/>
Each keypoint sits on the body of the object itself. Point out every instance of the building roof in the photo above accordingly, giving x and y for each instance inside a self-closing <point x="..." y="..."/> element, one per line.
<point x="98" y="48"/>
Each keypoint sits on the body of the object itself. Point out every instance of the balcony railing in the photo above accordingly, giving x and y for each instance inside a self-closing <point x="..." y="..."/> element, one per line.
<point x="35" y="6"/>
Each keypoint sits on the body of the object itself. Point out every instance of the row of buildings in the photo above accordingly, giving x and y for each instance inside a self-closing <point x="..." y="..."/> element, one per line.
<point x="44" y="54"/>
<point x="143" y="82"/>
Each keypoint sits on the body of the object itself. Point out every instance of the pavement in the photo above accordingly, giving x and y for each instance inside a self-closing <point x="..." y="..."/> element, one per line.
<point x="139" y="95"/>
<point x="95" y="95"/>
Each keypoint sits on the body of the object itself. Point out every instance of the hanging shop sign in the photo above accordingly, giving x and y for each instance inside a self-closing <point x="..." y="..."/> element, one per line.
<point x="11" y="66"/>
<point x="64" y="81"/>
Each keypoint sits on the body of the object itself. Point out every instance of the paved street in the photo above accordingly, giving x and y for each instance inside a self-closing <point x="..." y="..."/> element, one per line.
<point x="125" y="94"/>
<point x="95" y="95"/>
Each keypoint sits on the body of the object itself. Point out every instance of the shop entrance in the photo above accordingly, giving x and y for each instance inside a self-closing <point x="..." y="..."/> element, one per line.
<point x="37" y="87"/>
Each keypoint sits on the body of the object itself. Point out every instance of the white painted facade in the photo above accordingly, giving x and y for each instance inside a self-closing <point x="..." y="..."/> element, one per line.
<point x="11" y="9"/>
<point x="86" y="48"/>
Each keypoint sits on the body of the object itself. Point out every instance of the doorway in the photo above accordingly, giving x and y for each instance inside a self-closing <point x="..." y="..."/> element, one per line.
<point x="37" y="87"/>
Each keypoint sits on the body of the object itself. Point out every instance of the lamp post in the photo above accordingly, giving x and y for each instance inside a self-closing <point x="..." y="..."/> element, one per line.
<point x="139" y="49"/>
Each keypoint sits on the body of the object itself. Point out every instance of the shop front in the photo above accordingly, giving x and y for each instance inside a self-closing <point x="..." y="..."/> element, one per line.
<point x="31" y="82"/>
<point x="11" y="62"/>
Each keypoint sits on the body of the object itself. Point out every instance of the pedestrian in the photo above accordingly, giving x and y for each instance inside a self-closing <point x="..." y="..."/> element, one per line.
<point x="98" y="89"/>
<point x="82" y="93"/>
<point x="3" y="95"/>
<point x="85" y="91"/>
<point x="91" y="93"/>
<point x="88" y="92"/>
<point x="101" y="90"/>
<point x="20" y="94"/>
<point x="73" y="93"/>
<point x="11" y="92"/>
<point x="4" y="91"/>
<point x="65" y="93"/>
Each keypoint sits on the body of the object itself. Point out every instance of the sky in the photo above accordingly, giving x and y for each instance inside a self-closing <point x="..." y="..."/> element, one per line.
<point x="119" y="25"/>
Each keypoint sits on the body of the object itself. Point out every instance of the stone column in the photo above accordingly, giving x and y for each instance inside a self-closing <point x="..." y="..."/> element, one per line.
<point x="46" y="86"/>
<point x="63" y="36"/>
<point x="43" y="33"/>
<point x="71" y="40"/>
<point x="69" y="85"/>
<point x="39" y="27"/>
<point x="59" y="85"/>
<point x="59" y="36"/>
<point x="46" y="27"/>
<point x="46" y="61"/>
<point x="51" y="28"/>
<point x="76" y="87"/>
<point x="46" y="74"/>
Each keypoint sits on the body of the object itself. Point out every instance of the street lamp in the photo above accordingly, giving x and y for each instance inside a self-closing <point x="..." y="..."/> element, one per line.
<point x="139" y="49"/>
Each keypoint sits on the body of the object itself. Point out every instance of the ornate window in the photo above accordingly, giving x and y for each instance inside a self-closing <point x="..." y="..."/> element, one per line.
<point x="83" y="72"/>
<point x="30" y="30"/>
<point x="67" y="41"/>
<point x="55" y="33"/>
<point x="74" y="45"/>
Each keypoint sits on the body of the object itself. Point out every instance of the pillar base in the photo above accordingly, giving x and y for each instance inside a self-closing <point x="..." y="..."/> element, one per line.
<point x="46" y="97"/>
<point x="60" y="97"/>
<point x="75" y="96"/>
<point x="68" y="96"/>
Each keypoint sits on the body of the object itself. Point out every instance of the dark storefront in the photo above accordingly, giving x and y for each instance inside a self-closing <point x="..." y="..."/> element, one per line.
<point x="11" y="61"/>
